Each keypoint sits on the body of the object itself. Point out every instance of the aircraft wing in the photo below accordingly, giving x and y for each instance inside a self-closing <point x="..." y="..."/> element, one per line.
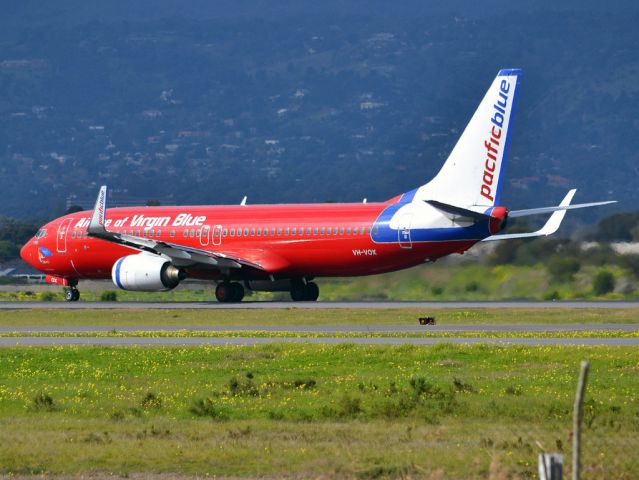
<point x="182" y="256"/>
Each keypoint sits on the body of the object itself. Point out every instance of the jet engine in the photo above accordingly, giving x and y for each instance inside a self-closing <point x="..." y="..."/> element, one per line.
<point x="146" y="273"/>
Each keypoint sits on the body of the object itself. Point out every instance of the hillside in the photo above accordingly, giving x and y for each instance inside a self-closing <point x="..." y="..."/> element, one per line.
<point x="306" y="104"/>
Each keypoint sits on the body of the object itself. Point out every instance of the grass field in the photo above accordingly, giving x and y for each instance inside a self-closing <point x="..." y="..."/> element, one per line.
<point x="285" y="317"/>
<point x="313" y="410"/>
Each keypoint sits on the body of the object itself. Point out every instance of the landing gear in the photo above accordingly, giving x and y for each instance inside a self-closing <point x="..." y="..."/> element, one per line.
<point x="227" y="292"/>
<point x="304" y="292"/>
<point x="72" y="294"/>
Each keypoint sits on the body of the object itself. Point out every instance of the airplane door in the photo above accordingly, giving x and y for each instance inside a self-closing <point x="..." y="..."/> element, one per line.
<point x="205" y="235"/>
<point x="403" y="231"/>
<point x="217" y="235"/>
<point x="63" y="229"/>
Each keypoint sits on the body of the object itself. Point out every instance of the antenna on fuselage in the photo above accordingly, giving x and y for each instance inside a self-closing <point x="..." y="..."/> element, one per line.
<point x="243" y="202"/>
<point x="364" y="201"/>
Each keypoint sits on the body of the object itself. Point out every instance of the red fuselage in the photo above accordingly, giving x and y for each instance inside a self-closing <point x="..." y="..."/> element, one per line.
<point x="286" y="241"/>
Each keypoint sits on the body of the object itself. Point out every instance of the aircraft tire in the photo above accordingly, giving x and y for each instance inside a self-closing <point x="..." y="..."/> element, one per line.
<point x="298" y="292"/>
<point x="238" y="292"/>
<point x="72" y="295"/>
<point x="224" y="292"/>
<point x="312" y="292"/>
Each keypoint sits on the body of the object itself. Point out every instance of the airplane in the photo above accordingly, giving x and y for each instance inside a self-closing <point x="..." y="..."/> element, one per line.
<point x="285" y="247"/>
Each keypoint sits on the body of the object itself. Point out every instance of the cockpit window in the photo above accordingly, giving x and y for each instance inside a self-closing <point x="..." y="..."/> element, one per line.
<point x="41" y="233"/>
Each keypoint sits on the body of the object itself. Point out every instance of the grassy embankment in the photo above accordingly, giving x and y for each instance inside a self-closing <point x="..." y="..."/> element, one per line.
<point x="309" y="410"/>
<point x="428" y="282"/>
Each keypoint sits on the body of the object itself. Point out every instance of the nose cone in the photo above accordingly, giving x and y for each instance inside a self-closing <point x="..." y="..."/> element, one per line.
<point x="27" y="252"/>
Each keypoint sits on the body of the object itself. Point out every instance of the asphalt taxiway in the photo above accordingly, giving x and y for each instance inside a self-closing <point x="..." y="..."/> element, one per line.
<point x="314" y="305"/>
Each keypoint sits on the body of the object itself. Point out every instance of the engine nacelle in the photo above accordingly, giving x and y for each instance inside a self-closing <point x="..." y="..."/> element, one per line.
<point x="146" y="273"/>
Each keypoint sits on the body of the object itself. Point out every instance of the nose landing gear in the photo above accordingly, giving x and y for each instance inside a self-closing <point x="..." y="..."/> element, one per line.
<point x="72" y="294"/>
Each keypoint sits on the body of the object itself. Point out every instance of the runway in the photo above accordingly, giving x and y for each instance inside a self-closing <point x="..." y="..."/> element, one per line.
<point x="315" y="305"/>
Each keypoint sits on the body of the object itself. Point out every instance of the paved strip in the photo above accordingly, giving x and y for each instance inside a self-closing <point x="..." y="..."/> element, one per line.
<point x="427" y="306"/>
<point x="251" y="341"/>
<point x="531" y="327"/>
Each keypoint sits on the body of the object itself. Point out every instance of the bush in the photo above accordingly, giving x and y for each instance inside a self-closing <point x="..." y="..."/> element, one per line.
<point x="109" y="296"/>
<point x="603" y="283"/>
<point x="562" y="269"/>
<point x="206" y="408"/>
<point x="43" y="402"/>
<point x="151" y="400"/>
<point x="46" y="296"/>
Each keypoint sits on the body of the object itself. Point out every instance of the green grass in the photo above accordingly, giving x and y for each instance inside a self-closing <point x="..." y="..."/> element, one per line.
<point x="309" y="410"/>
<point x="239" y="333"/>
<point x="294" y="316"/>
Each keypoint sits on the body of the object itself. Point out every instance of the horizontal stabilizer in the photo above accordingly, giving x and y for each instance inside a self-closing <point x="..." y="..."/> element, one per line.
<point x="538" y="211"/>
<point x="459" y="211"/>
<point x="551" y="226"/>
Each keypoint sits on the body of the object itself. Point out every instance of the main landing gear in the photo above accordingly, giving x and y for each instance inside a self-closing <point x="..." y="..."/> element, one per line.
<point x="304" y="292"/>
<point x="227" y="292"/>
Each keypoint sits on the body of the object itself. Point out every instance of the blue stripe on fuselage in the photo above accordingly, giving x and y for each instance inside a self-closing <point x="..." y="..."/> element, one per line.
<point x="382" y="233"/>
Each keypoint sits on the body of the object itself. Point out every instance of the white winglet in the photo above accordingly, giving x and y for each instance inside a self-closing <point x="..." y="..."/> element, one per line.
<point x="96" y="225"/>
<point x="551" y="226"/>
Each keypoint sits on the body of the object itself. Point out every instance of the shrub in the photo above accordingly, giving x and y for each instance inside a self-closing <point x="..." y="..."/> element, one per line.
<point x="109" y="296"/>
<point x="350" y="406"/>
<point x="47" y="296"/>
<point x="562" y="269"/>
<point x="603" y="283"/>
<point x="151" y="400"/>
<point x="206" y="408"/>
<point x="43" y="402"/>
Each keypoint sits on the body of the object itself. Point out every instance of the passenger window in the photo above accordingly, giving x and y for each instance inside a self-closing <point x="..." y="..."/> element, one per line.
<point x="192" y="233"/>
<point x="294" y="231"/>
<point x="279" y="232"/>
<point x="368" y="230"/>
<point x="334" y="230"/>
<point x="252" y="232"/>
<point x="355" y="231"/>
<point x="186" y="233"/>
<point x="322" y="231"/>
<point x="232" y="232"/>
<point x="288" y="231"/>
<point x="150" y="233"/>
<point x="72" y="234"/>
<point x="259" y="232"/>
<point x="348" y="231"/>
<point x="341" y="231"/>
<point x="224" y="232"/>
<point x="246" y="232"/>
<point x="172" y="233"/>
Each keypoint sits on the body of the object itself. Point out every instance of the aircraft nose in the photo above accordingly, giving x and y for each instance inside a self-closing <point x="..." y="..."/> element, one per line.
<point x="26" y="252"/>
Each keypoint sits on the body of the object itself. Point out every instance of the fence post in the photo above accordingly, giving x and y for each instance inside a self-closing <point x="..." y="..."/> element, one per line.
<point x="577" y="416"/>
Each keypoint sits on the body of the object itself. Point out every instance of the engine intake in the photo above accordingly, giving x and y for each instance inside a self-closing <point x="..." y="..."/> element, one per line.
<point x="146" y="273"/>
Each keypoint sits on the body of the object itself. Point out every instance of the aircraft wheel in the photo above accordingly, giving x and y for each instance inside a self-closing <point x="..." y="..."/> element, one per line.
<point x="72" y="295"/>
<point x="312" y="292"/>
<point x="238" y="292"/>
<point x="224" y="292"/>
<point x="298" y="291"/>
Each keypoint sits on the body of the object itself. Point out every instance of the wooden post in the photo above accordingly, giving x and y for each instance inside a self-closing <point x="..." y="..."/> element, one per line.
<point x="577" y="416"/>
